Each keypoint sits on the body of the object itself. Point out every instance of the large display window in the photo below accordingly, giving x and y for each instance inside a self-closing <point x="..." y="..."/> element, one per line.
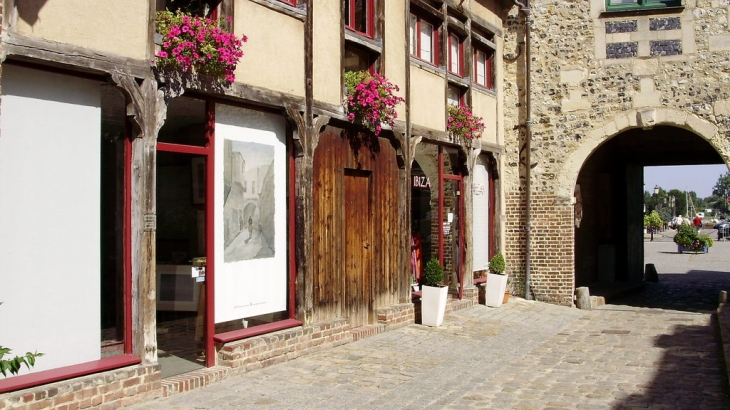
<point x="65" y="225"/>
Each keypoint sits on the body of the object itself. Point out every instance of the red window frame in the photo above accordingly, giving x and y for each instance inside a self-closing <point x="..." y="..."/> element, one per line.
<point x="488" y="67"/>
<point x="459" y="55"/>
<point x="416" y="46"/>
<point x="292" y="3"/>
<point x="353" y="12"/>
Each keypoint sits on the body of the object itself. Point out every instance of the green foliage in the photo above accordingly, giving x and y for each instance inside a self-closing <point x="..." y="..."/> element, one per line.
<point x="653" y="220"/>
<point x="496" y="264"/>
<point x="13" y="365"/>
<point x="688" y="237"/>
<point x="433" y="273"/>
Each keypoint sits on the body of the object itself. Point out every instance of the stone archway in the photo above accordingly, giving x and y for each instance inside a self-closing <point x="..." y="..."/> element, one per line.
<point x="608" y="167"/>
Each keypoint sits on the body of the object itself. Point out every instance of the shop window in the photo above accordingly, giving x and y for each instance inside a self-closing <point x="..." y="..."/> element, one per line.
<point x="359" y="16"/>
<point x="73" y="225"/>
<point x="483" y="67"/>
<point x="423" y="39"/>
<point x="456" y="55"/>
<point x="436" y="210"/>
<point x="622" y="5"/>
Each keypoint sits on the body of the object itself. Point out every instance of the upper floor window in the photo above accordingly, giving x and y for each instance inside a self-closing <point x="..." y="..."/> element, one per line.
<point x="359" y="16"/>
<point x="202" y="8"/>
<point x="290" y="2"/>
<point x="358" y="59"/>
<point x="423" y="39"/>
<point x="616" y="5"/>
<point x="455" y="96"/>
<point x="483" y="64"/>
<point x="456" y="55"/>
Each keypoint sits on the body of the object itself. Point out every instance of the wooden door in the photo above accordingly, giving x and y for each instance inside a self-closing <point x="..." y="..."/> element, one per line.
<point x="358" y="248"/>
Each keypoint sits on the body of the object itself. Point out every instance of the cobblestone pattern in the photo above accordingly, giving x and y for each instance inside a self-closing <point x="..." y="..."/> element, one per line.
<point x="108" y="390"/>
<point x="657" y="349"/>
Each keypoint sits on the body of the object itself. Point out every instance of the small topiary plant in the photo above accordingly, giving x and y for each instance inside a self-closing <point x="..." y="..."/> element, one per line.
<point x="13" y="365"/>
<point x="433" y="273"/>
<point x="496" y="264"/>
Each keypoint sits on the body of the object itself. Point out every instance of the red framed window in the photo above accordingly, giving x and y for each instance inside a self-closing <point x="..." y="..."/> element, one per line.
<point x="290" y="2"/>
<point x="423" y="39"/>
<point x="358" y="59"/>
<point x="456" y="55"/>
<point x="483" y="67"/>
<point x="359" y="16"/>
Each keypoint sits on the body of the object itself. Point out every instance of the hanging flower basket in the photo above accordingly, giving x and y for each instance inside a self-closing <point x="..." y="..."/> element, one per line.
<point x="192" y="43"/>
<point x="371" y="100"/>
<point x="463" y="124"/>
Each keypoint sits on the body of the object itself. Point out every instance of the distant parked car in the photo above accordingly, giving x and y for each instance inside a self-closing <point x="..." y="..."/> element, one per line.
<point x="723" y="229"/>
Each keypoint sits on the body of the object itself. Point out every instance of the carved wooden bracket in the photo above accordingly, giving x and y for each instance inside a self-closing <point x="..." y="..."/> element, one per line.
<point x="406" y="153"/>
<point x="307" y="136"/>
<point x="148" y="103"/>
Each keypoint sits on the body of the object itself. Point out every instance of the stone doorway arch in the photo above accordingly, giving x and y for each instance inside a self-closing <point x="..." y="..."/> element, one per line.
<point x="607" y="170"/>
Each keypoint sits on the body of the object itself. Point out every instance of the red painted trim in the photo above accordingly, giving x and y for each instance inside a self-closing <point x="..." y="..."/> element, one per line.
<point x="460" y="267"/>
<point x="210" y="355"/>
<point x="256" y="330"/>
<point x="127" y="240"/>
<point x="491" y="217"/>
<point x="441" y="204"/>
<point x="459" y="55"/>
<point x="291" y="283"/>
<point x="369" y="18"/>
<point x="66" y="372"/>
<point x="183" y="149"/>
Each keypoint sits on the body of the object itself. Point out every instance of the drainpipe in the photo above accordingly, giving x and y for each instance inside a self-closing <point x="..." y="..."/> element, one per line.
<point x="525" y="9"/>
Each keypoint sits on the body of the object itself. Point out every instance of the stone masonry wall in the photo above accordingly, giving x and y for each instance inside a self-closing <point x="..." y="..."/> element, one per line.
<point x="590" y="67"/>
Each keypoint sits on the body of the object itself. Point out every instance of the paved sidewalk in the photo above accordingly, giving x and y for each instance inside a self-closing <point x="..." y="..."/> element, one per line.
<point x="656" y="350"/>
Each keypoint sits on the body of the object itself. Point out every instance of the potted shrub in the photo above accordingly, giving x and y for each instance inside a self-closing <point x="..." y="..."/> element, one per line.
<point x="371" y="100"/>
<point x="496" y="281"/>
<point x="689" y="240"/>
<point x="433" y="294"/>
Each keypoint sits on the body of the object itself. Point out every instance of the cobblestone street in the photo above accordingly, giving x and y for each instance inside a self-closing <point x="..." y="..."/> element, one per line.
<point x="657" y="349"/>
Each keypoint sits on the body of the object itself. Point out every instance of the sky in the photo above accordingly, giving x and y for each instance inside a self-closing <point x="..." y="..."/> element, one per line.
<point x="698" y="178"/>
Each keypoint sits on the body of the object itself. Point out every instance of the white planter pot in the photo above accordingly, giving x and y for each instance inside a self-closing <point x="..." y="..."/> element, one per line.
<point x="496" y="285"/>
<point x="433" y="305"/>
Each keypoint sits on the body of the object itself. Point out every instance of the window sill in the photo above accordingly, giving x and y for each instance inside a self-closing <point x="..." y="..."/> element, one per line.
<point x="484" y="89"/>
<point x="428" y="66"/>
<point x="370" y="44"/>
<point x="457" y="79"/>
<point x="256" y="330"/>
<point x="283" y="8"/>
<point x="640" y="12"/>
<point x="67" y="372"/>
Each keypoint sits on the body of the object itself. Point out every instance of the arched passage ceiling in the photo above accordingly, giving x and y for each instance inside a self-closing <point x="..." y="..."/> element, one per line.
<point x="661" y="145"/>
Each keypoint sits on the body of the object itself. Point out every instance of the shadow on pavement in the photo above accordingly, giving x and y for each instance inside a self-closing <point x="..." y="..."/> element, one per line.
<point x="694" y="291"/>
<point x="689" y="376"/>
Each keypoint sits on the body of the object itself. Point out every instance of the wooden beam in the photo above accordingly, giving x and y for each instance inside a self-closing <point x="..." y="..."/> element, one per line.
<point x="25" y="48"/>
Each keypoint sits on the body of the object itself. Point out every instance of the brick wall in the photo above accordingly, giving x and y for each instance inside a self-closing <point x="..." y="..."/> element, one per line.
<point x="278" y="347"/>
<point x="551" y="254"/>
<point x="107" y="390"/>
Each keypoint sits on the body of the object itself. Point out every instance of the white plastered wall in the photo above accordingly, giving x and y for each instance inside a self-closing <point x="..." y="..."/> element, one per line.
<point x="50" y="217"/>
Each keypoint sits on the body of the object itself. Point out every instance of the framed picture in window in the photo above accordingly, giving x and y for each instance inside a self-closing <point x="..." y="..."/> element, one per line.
<point x="198" y="169"/>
